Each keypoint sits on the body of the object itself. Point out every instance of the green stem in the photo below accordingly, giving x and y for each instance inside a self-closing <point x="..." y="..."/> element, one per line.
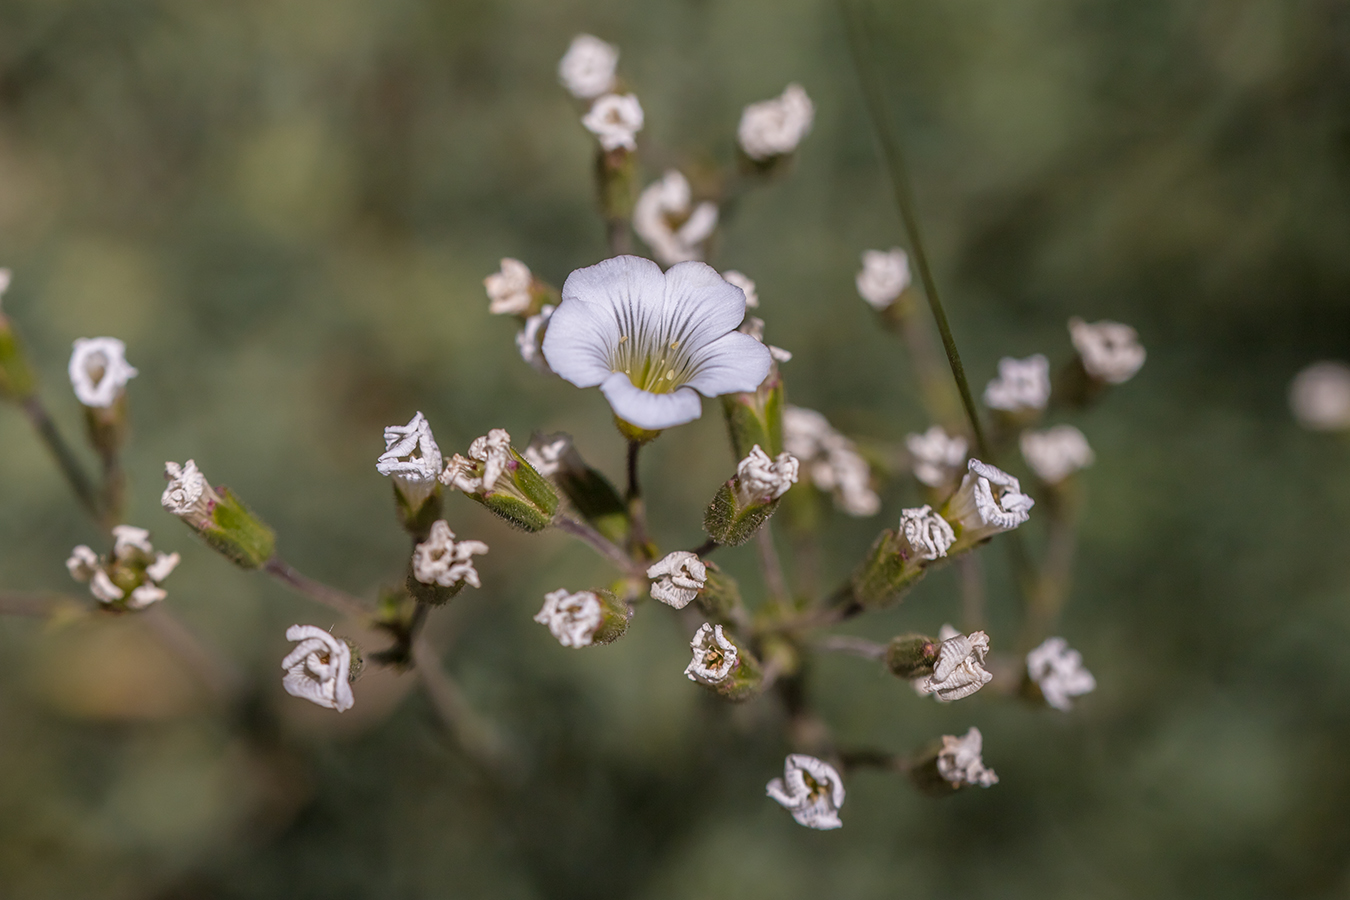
<point x="65" y="458"/>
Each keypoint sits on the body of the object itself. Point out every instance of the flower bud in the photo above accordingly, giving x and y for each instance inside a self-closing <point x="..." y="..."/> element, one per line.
<point x="441" y="566"/>
<point x="745" y="502"/>
<point x="756" y="418"/>
<point x="722" y="665"/>
<point x="220" y="518"/>
<point x="890" y="569"/>
<point x="911" y="656"/>
<point x="720" y="595"/>
<point x="501" y="479"/>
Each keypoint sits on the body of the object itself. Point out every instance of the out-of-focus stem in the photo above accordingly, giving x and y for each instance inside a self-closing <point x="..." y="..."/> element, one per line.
<point x="1051" y="588"/>
<point x="18" y="603"/>
<point x="65" y="459"/>
<point x="770" y="564"/>
<point x="855" y="646"/>
<point x="315" y="590"/>
<point x="215" y="673"/>
<point x="863" y="758"/>
<point x="637" y="510"/>
<point x="475" y="735"/>
<point x="601" y="544"/>
<point x="970" y="574"/>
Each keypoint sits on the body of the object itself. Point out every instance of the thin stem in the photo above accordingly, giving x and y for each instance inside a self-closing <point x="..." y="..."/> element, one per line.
<point x="971" y="576"/>
<point x="770" y="564"/>
<point x="634" y="487"/>
<point x="706" y="547"/>
<point x="216" y="674"/>
<point x="620" y="239"/>
<point x="856" y="646"/>
<point x="65" y="459"/>
<point x="866" y="758"/>
<point x="478" y="738"/>
<point x="637" y="511"/>
<point x="315" y="590"/>
<point x="601" y="544"/>
<point x="1051" y="587"/>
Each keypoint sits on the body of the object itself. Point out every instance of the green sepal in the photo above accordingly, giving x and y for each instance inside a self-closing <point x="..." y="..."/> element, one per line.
<point x="720" y="594"/>
<point x="236" y="533"/>
<point x="617" y="615"/>
<point x="728" y="524"/>
<point x="911" y="656"/>
<point x="534" y="487"/>
<point x="745" y="681"/>
<point x="886" y="573"/>
<point x="17" y="381"/>
<point x="417" y="522"/>
<point x="431" y="594"/>
<point x="756" y="417"/>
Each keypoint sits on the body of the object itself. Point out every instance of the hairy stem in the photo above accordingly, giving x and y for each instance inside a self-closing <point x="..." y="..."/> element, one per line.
<point x="317" y="591"/>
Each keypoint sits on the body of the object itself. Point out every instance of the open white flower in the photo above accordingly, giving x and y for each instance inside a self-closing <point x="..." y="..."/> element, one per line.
<point x="959" y="761"/>
<point x="1022" y="384"/>
<point x="831" y="460"/>
<point x="760" y="479"/>
<point x="615" y="119"/>
<point x="1056" y="453"/>
<point x="1320" y="396"/>
<point x="774" y="127"/>
<point x="742" y="281"/>
<point x="715" y="657"/>
<point x="927" y="533"/>
<point x="509" y="289"/>
<point x="988" y="501"/>
<point x="1059" y="672"/>
<point x="319" y="669"/>
<point x="663" y="219"/>
<point x="811" y="790"/>
<point x="587" y="68"/>
<point x="548" y="452"/>
<point x="412" y="458"/>
<point x="99" y="370"/>
<point x="529" y="338"/>
<point x="1110" y="351"/>
<point x="937" y="457"/>
<point x="754" y="326"/>
<point x="653" y="341"/>
<point x="884" y="276"/>
<point x="572" y="618"/>
<point x="677" y="578"/>
<point x="959" y="671"/>
<point x="492" y="450"/>
<point x="442" y="560"/>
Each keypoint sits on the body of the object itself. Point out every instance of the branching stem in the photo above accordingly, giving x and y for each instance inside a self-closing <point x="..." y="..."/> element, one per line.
<point x="317" y="591"/>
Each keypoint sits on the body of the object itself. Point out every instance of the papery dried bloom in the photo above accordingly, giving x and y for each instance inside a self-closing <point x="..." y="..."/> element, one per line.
<point x="132" y="566"/>
<point x="587" y="69"/>
<point x="1110" y="351"/>
<point x="937" y="457"/>
<point x="509" y="289"/>
<point x="1022" y="384"/>
<point x="754" y="326"/>
<point x="715" y="657"/>
<point x="572" y="618"/>
<point x="927" y="532"/>
<point x="492" y="450"/>
<point x="677" y="578"/>
<point x="529" y="339"/>
<point x="615" y="119"/>
<point x="440" y="559"/>
<point x="760" y="479"/>
<point x="319" y="669"/>
<point x="653" y="341"/>
<point x="884" y="276"/>
<point x="775" y="127"/>
<point x="1320" y="397"/>
<point x="960" y="762"/>
<point x="412" y="458"/>
<point x="663" y="219"/>
<point x="162" y="567"/>
<point x="811" y="790"/>
<point x="130" y="542"/>
<point x="547" y="452"/>
<point x="188" y="494"/>
<point x="746" y="285"/>
<point x="1059" y="673"/>
<point x="103" y="589"/>
<point x="82" y="564"/>
<point x="99" y="370"/>
<point x="1056" y="453"/>
<point x="988" y="501"/>
<point x="831" y="461"/>
<point x="959" y="670"/>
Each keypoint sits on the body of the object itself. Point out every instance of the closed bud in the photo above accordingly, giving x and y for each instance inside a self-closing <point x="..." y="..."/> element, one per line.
<point x="218" y="516"/>
<point x="720" y="595"/>
<point x="728" y="522"/>
<point x="911" y="656"/>
<point x="16" y="376"/>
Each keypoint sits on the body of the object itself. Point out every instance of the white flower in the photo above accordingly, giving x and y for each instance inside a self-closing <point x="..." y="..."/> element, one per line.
<point x="145" y="595"/>
<point x="763" y="480"/>
<point x="1110" y="351"/>
<point x="746" y="285"/>
<point x="831" y="461"/>
<point x="959" y="671"/>
<point x="811" y="790"/>
<point x="927" y="533"/>
<point x="678" y="577"/>
<point x="440" y="559"/>
<point x="133" y="562"/>
<point x="547" y="453"/>
<point x="130" y="541"/>
<point x="715" y="657"/>
<point x="754" y="326"/>
<point x="412" y="458"/>
<point x="884" y="276"/>
<point x="615" y="119"/>
<point x="1022" y="384"/>
<point x="1320" y="397"/>
<point x="959" y="761"/>
<point x="1056" y="453"/>
<point x="319" y="669"/>
<point x="492" y="451"/>
<point x="587" y="69"/>
<point x="572" y="618"/>
<point x="988" y="501"/>
<point x="775" y="127"/>
<point x="99" y="370"/>
<point x="663" y="219"/>
<point x="529" y="338"/>
<point x="188" y="494"/>
<point x="509" y="289"/>
<point x="936" y="456"/>
<point x="1059" y="672"/>
<point x="103" y="589"/>
<point x="82" y="564"/>
<point x="653" y="341"/>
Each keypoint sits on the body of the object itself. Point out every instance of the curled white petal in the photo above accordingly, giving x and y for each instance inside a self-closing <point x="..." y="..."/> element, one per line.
<point x="103" y="589"/>
<point x="162" y="567"/>
<point x="615" y="120"/>
<point x="747" y="286"/>
<point x="677" y="578"/>
<point x="959" y="671"/>
<point x="774" y="127"/>
<point x="319" y="669"/>
<point x="509" y="289"/>
<point x="82" y="564"/>
<point x="988" y="501"/>
<point x="547" y="453"/>
<point x="760" y="479"/>
<point x="493" y="450"/>
<point x="572" y="618"/>
<point x="1022" y="384"/>
<point x="936" y="456"/>
<point x="811" y="790"/>
<point x="99" y="370"/>
<point x="130" y="542"/>
<point x="1056" y="453"/>
<point x="959" y="761"/>
<point x="1320" y="396"/>
<point x="884" y="276"/>
<point x="662" y="217"/>
<point x="410" y="452"/>
<point x="587" y="68"/>
<point x="531" y="336"/>
<point x="145" y="595"/>
<point x="928" y="534"/>
<point x="188" y="495"/>
<point x="442" y="560"/>
<point x="1110" y="351"/>
<point x="715" y="657"/>
<point x="1059" y="672"/>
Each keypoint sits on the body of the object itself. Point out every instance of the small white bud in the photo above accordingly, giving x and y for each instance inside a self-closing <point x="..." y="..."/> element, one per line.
<point x="775" y="127"/>
<point x="960" y="762"/>
<point x="1059" y="672"/>
<point x="715" y="657"/>
<point x="587" y="69"/>
<point x="884" y="277"/>
<point x="442" y="560"/>
<point x="615" y="119"/>
<point x="928" y="534"/>
<point x="1056" y="453"/>
<point x="1320" y="397"/>
<point x="572" y="618"/>
<point x="319" y="669"/>
<point x="509" y="289"/>
<point x="99" y="370"/>
<point x="1022" y="384"/>
<point x="762" y="480"/>
<point x="936" y="457"/>
<point x="811" y="790"/>
<point x="677" y="578"/>
<point x="1110" y="351"/>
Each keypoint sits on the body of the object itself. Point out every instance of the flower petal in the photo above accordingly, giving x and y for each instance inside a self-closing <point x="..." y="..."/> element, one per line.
<point x="731" y="363"/>
<point x="647" y="410"/>
<point x="602" y="303"/>
<point x="700" y="306"/>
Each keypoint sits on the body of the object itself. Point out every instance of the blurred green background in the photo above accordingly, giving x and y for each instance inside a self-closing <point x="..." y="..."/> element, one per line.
<point x="286" y="207"/>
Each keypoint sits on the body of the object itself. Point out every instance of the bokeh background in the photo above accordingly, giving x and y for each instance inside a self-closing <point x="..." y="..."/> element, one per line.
<point x="286" y="208"/>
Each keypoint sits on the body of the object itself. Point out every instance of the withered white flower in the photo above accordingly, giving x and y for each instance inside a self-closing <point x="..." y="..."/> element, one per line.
<point x="988" y="501"/>
<point x="1059" y="672"/>
<point x="811" y="790"/>
<point x="99" y="370"/>
<point x="319" y="669"/>
<point x="130" y="541"/>
<point x="587" y="68"/>
<point x="133" y="565"/>
<point x="547" y="452"/>
<point x="884" y="276"/>
<point x="754" y="326"/>
<point x="760" y="479"/>
<point x="82" y="564"/>
<point x="1022" y="384"/>
<point x="1056" y="453"/>
<point x="572" y="618"/>
<point x="1320" y="396"/>
<point x="188" y="494"/>
<point x="615" y="120"/>
<point x="103" y="589"/>
<point x="677" y="578"/>
<point x="493" y="450"/>
<point x="742" y="281"/>
<point x="146" y="594"/>
<point x="663" y="219"/>
<point x="412" y="458"/>
<point x="959" y="671"/>
<point x="5" y="277"/>
<point x="937" y="457"/>
<point x="715" y="657"/>
<point x="653" y="341"/>
<point x="831" y="461"/>
<point x="440" y="559"/>
<point x="960" y="762"/>
<point x="509" y="290"/>
<point x="529" y="338"/>
<point x="927" y="533"/>
<point x="775" y="127"/>
<point x="1110" y="351"/>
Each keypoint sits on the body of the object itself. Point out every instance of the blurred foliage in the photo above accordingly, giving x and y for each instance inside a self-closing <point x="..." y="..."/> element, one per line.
<point x="286" y="208"/>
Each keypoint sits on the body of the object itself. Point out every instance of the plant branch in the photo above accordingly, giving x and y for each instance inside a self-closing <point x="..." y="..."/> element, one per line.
<point x="770" y="564"/>
<point x="216" y="674"/>
<point x="601" y="544"/>
<point x="65" y="459"/>
<point x="856" y="646"/>
<point x="317" y="591"/>
<point x="474" y="734"/>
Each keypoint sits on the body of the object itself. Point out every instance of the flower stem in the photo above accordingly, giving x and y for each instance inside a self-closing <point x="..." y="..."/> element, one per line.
<point x="475" y="735"/>
<point x="772" y="566"/>
<point x="65" y="458"/>
<point x="864" y="758"/>
<point x="317" y="591"/>
<point x="856" y="646"/>
<point x="637" y="511"/>
<point x="216" y="674"/>
<point x="601" y="544"/>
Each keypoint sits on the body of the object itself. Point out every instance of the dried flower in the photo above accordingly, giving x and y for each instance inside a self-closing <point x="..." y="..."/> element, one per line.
<point x="530" y="338"/>
<point x="811" y="790"/>
<point x="775" y="127"/>
<point x="653" y="341"/>
<point x="492" y="452"/>
<point x="218" y="517"/>
<point x="130" y="543"/>
<point x="131" y="573"/>
<point x="959" y="670"/>
<point x="572" y="618"/>
<point x="442" y="560"/>
<point x="677" y="578"/>
<point x="1320" y="396"/>
<point x="1056" y="453"/>
<point x="82" y="563"/>
<point x="763" y="480"/>
<point x="99" y="371"/>
<point x="587" y="69"/>
<point x="1059" y="673"/>
<point x="959" y="761"/>
<point x="663" y="219"/>
<point x="188" y="494"/>
<point x="884" y="276"/>
<point x="747" y="287"/>
<point x="831" y="460"/>
<point x="937" y="457"/>
<point x="615" y="119"/>
<point x="1022" y="384"/>
<point x="412" y="458"/>
<point x="547" y="452"/>
<point x="1110" y="351"/>
<point x="927" y="533"/>
<point x="715" y="657"/>
<point x="988" y="501"/>
<point x="319" y="669"/>
<point x="509" y="290"/>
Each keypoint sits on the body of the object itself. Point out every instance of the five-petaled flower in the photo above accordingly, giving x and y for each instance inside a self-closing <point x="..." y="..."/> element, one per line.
<point x="1055" y="453"/>
<point x="715" y="656"/>
<point x="760" y="479"/>
<point x="1059" y="672"/>
<point x="988" y="501"/>
<point x="959" y="670"/>
<point x="572" y="618"/>
<point x="928" y="534"/>
<point x="319" y="669"/>
<point x="677" y="578"/>
<point x="587" y="68"/>
<point x="775" y="127"/>
<point x="442" y="560"/>
<point x="99" y="371"/>
<point x="1110" y="351"/>
<point x="811" y="790"/>
<point x="884" y="276"/>
<point x="662" y="217"/>
<point x="936" y="457"/>
<point x="615" y="120"/>
<point x="412" y="458"/>
<point x="1022" y="384"/>
<point x="131" y="575"/>
<point x="959" y="760"/>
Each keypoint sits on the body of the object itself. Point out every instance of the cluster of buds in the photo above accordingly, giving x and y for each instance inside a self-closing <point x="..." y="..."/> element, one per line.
<point x="130" y="576"/>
